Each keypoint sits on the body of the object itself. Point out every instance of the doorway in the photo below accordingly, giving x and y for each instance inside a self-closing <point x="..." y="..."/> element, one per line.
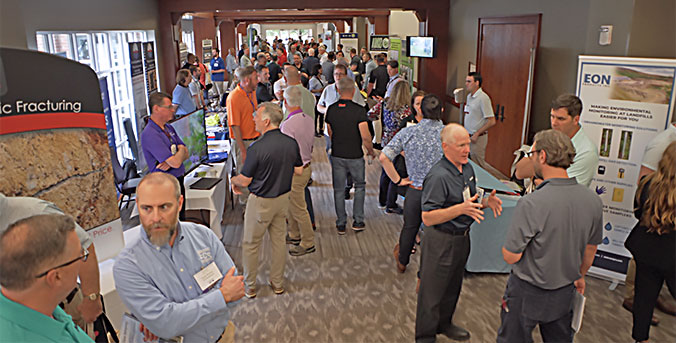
<point x="506" y="53"/>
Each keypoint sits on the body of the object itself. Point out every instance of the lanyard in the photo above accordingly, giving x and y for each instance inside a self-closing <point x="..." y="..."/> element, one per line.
<point x="169" y="137"/>
<point x="248" y="97"/>
<point x="294" y="112"/>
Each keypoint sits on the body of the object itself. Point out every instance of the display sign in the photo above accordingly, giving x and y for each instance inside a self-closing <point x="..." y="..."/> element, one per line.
<point x="138" y="88"/>
<point x="350" y="41"/>
<point x="207" y="47"/>
<point x="397" y="52"/>
<point x="150" y="68"/>
<point x="379" y="43"/>
<point x="105" y="99"/>
<point x="53" y="143"/>
<point x="627" y="101"/>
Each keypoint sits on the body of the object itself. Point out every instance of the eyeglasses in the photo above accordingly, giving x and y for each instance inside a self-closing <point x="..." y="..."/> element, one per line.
<point x="531" y="153"/>
<point x="169" y="107"/>
<point x="84" y="257"/>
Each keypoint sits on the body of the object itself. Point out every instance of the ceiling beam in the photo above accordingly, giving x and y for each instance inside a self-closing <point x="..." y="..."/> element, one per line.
<point x="297" y="13"/>
<point x="286" y="21"/>
<point x="183" y="6"/>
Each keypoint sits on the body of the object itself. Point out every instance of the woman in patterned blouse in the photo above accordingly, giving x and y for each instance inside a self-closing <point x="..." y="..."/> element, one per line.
<point x="391" y="111"/>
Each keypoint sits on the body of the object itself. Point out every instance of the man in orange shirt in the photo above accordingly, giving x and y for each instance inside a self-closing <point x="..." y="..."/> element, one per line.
<point x="241" y="104"/>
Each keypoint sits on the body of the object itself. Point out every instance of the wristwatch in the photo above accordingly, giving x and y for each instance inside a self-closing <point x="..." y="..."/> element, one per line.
<point x="93" y="296"/>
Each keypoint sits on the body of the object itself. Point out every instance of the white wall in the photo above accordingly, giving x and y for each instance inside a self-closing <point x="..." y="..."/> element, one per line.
<point x="403" y="23"/>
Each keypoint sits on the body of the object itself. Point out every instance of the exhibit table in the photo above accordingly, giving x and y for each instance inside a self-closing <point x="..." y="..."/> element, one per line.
<point x="488" y="237"/>
<point x="212" y="199"/>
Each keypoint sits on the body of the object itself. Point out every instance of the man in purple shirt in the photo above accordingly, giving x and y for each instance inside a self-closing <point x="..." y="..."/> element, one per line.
<point x="300" y="127"/>
<point x="162" y="147"/>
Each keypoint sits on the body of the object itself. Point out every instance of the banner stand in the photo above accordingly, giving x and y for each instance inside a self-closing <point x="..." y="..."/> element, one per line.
<point x="626" y="102"/>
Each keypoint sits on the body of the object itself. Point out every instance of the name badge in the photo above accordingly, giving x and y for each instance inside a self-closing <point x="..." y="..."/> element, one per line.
<point x="174" y="149"/>
<point x="481" y="193"/>
<point x="208" y="276"/>
<point x="466" y="194"/>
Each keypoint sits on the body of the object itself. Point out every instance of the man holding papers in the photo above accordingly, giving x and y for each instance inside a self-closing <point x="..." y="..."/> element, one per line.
<point x="551" y="242"/>
<point x="177" y="279"/>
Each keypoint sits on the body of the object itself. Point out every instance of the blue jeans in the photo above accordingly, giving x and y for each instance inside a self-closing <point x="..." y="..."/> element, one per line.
<point x="340" y="168"/>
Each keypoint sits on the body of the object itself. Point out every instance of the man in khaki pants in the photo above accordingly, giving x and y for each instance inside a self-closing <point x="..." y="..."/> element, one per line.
<point x="300" y="127"/>
<point x="269" y="167"/>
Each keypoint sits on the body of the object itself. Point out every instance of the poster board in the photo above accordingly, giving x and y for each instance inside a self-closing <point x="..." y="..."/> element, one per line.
<point x="54" y="144"/>
<point x="626" y="102"/>
<point x="380" y="43"/>
<point x="349" y="41"/>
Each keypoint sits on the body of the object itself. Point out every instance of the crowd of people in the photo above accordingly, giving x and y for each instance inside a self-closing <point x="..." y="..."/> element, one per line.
<point x="178" y="279"/>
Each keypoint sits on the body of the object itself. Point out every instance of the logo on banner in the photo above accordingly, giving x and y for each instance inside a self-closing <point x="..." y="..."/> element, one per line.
<point x="596" y="80"/>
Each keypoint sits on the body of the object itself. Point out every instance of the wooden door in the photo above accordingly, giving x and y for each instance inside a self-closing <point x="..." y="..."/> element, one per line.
<point x="506" y="60"/>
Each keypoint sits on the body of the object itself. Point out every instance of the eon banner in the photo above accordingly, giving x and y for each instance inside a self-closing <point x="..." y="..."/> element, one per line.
<point x="626" y="102"/>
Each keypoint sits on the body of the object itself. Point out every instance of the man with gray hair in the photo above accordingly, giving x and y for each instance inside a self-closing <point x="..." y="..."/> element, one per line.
<point x="297" y="126"/>
<point x="36" y="275"/>
<point x="551" y="242"/>
<point x="450" y="205"/>
<point x="176" y="279"/>
<point x="267" y="173"/>
<point x="348" y="129"/>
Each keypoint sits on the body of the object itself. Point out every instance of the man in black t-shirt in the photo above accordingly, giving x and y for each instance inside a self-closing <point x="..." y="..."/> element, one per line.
<point x="378" y="79"/>
<point x="268" y="171"/>
<point x="348" y="129"/>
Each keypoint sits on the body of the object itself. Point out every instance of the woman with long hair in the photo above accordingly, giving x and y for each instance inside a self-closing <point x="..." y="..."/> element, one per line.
<point x="416" y="116"/>
<point x="316" y="85"/>
<point x="391" y="111"/>
<point x="652" y="241"/>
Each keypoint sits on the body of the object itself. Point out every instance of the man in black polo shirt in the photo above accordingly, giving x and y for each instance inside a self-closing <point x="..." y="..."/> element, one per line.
<point x="268" y="170"/>
<point x="378" y="79"/>
<point x="450" y="205"/>
<point x="348" y="129"/>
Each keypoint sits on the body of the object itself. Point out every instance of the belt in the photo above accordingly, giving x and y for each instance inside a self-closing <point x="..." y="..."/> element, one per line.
<point x="416" y="188"/>
<point x="306" y="165"/>
<point x="483" y="133"/>
<point x="459" y="233"/>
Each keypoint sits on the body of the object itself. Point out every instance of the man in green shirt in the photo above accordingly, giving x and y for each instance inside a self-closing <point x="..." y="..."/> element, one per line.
<point x="36" y="274"/>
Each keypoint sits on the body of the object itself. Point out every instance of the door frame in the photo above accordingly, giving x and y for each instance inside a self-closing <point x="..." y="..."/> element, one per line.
<point x="535" y="19"/>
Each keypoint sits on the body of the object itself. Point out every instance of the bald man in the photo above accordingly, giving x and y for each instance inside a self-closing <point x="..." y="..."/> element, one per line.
<point x="308" y="101"/>
<point x="450" y="204"/>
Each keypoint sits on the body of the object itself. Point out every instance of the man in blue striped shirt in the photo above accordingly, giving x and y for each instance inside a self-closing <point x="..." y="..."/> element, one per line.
<point x="171" y="279"/>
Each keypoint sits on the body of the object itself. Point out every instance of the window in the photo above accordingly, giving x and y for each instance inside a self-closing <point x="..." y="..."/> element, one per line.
<point x="284" y="35"/>
<point x="107" y="53"/>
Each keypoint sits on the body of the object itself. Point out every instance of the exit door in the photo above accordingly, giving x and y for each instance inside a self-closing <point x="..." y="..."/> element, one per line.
<point x="506" y="55"/>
